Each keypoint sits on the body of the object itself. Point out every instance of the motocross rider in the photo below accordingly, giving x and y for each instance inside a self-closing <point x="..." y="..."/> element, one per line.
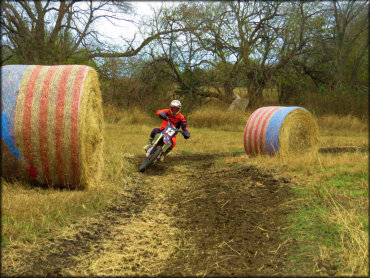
<point x="174" y="116"/>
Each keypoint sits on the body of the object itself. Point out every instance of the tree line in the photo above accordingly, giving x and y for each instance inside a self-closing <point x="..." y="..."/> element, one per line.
<point x="312" y="52"/>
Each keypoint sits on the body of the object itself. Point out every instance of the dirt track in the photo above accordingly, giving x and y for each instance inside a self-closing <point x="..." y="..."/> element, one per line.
<point x="191" y="215"/>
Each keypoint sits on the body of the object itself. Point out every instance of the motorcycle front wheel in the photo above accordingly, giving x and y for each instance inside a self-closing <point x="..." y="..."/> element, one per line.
<point x="147" y="162"/>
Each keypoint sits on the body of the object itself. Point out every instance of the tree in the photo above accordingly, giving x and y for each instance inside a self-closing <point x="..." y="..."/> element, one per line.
<point x="178" y="50"/>
<point x="243" y="42"/>
<point x="350" y="39"/>
<point x="311" y="66"/>
<point x="111" y="73"/>
<point x="336" y="52"/>
<point x="48" y="32"/>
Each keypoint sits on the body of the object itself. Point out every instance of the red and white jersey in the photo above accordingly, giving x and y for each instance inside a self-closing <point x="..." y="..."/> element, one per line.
<point x="177" y="121"/>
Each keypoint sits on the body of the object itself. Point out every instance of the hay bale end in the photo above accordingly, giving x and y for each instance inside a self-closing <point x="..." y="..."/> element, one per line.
<point x="278" y="129"/>
<point x="52" y="124"/>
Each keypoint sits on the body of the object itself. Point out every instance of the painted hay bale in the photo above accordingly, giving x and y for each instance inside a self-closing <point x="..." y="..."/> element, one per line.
<point x="52" y="124"/>
<point x="283" y="130"/>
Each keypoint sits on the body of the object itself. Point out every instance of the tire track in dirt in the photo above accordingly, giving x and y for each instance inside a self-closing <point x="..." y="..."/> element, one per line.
<point x="54" y="256"/>
<point x="231" y="218"/>
<point x="191" y="215"/>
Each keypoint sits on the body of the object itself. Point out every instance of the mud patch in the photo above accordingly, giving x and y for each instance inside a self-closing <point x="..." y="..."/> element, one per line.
<point x="232" y="219"/>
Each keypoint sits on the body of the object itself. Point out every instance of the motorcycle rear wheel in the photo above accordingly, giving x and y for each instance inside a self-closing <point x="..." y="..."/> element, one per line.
<point x="147" y="162"/>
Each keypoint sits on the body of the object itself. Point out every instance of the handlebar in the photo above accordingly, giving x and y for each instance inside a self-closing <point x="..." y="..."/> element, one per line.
<point x="178" y="130"/>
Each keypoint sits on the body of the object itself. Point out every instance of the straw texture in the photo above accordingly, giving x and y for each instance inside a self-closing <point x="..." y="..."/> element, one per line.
<point x="52" y="124"/>
<point x="283" y="130"/>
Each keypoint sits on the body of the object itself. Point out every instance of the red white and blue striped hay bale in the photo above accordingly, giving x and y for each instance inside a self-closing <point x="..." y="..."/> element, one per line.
<point x="52" y="124"/>
<point x="283" y="130"/>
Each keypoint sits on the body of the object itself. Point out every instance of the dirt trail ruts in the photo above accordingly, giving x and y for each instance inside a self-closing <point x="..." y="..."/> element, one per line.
<point x="54" y="255"/>
<point x="231" y="218"/>
<point x="191" y="215"/>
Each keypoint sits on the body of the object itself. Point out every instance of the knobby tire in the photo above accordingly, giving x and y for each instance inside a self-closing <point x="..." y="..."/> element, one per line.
<point x="147" y="162"/>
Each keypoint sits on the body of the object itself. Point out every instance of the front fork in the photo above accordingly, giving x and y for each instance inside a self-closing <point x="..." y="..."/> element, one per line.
<point x="149" y="151"/>
<point x="156" y="140"/>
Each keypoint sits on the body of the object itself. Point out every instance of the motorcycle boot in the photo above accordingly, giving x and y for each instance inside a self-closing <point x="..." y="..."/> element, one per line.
<point x="149" y="144"/>
<point x="161" y="159"/>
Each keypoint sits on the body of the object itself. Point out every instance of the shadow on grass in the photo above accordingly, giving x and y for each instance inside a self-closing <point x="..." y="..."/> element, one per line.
<point x="344" y="149"/>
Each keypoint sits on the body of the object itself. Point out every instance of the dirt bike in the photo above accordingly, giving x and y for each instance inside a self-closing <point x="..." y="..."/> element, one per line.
<point x="162" y="142"/>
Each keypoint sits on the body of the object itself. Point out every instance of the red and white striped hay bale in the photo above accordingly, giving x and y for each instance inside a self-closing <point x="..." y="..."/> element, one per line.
<point x="278" y="129"/>
<point x="57" y="123"/>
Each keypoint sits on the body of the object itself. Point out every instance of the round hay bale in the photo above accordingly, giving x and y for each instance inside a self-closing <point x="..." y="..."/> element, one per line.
<point x="52" y="124"/>
<point x="283" y="130"/>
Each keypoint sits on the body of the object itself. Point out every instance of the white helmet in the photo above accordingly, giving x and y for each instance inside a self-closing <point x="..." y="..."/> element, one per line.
<point x="175" y="107"/>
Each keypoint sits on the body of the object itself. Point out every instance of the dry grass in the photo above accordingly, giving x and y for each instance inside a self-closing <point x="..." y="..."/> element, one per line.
<point x="114" y="114"/>
<point x="315" y="171"/>
<point x="321" y="178"/>
<point x="353" y="253"/>
<point x="135" y="116"/>
<point x="141" y="245"/>
<point x="218" y="119"/>
<point x="31" y="213"/>
<point x="343" y="126"/>
<point x="343" y="131"/>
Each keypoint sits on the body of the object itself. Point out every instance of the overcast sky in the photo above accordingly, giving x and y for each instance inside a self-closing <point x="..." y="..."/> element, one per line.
<point x="127" y="29"/>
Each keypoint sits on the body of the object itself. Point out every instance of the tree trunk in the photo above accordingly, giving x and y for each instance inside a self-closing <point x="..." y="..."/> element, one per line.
<point x="285" y="93"/>
<point x="228" y="97"/>
<point x="255" y="95"/>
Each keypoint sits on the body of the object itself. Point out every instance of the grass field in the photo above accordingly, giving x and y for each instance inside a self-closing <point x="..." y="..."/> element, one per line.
<point x="327" y="215"/>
